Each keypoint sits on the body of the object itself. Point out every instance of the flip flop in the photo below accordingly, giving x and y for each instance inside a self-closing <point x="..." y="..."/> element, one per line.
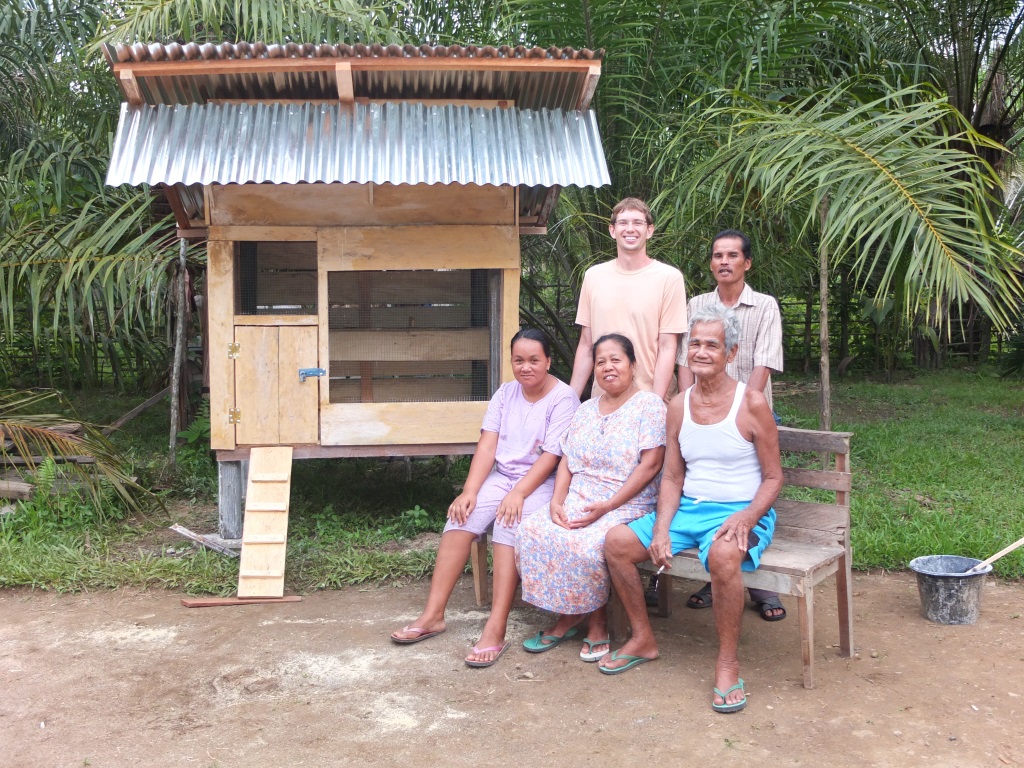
<point x="541" y="642"/>
<point x="727" y="709"/>
<point x="769" y="604"/>
<point x="593" y="655"/>
<point x="701" y="598"/>
<point x="633" y="662"/>
<point x="424" y="634"/>
<point x="480" y="664"/>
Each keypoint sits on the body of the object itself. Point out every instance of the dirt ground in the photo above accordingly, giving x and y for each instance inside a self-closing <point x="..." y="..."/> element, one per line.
<point x="134" y="679"/>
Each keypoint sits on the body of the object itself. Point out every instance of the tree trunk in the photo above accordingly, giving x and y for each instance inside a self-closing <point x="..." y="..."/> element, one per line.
<point x="808" y="322"/>
<point x="825" y="417"/>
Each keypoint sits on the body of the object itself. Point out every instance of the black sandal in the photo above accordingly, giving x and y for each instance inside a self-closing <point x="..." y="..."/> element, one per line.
<point x="768" y="605"/>
<point x="701" y="598"/>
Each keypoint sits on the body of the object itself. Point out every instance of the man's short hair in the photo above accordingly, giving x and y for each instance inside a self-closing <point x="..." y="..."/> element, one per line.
<point x="632" y="204"/>
<point x="716" y="313"/>
<point x="744" y="240"/>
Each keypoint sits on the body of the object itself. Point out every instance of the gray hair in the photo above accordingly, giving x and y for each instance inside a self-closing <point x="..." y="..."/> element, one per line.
<point x="716" y="313"/>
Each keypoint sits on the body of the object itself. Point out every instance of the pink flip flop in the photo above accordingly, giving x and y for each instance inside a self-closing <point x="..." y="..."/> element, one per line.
<point x="423" y="635"/>
<point x="479" y="664"/>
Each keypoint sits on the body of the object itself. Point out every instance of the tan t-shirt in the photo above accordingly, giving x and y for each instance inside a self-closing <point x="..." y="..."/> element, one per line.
<point x="639" y="305"/>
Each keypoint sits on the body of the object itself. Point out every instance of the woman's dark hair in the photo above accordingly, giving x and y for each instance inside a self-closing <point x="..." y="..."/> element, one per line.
<point x="532" y="334"/>
<point x="618" y="338"/>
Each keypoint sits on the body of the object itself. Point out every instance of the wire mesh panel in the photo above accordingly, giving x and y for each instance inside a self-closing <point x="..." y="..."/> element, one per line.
<point x="275" y="278"/>
<point x="412" y="335"/>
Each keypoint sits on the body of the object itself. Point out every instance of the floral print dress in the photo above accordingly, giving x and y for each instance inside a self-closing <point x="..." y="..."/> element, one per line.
<point x="564" y="571"/>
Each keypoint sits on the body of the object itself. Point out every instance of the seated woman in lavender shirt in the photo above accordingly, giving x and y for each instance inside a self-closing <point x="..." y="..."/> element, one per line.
<point x="511" y="477"/>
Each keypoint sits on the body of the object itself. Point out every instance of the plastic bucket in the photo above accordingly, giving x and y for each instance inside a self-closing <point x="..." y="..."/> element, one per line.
<point x="947" y="596"/>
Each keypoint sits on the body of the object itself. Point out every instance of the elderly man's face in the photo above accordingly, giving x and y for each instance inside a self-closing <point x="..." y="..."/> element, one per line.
<point x="705" y="352"/>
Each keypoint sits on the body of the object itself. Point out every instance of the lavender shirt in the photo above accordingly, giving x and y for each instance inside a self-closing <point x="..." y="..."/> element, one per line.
<point x="526" y="429"/>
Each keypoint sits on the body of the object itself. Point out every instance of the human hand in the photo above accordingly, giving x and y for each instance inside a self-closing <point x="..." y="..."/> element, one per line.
<point x="510" y="511"/>
<point x="460" y="509"/>
<point x="735" y="528"/>
<point x="558" y="516"/>
<point x="592" y="513"/>
<point x="660" y="550"/>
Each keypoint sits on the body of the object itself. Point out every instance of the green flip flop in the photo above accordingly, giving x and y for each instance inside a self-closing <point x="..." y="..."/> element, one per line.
<point x="590" y="654"/>
<point x="541" y="642"/>
<point x="730" y="708"/>
<point x="633" y="662"/>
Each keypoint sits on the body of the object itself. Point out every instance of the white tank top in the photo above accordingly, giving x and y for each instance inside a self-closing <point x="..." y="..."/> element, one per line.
<point x="720" y="464"/>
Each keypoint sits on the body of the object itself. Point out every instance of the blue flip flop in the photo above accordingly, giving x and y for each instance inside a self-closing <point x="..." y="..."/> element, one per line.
<point x="633" y="662"/>
<point x="730" y="708"/>
<point x="541" y="642"/>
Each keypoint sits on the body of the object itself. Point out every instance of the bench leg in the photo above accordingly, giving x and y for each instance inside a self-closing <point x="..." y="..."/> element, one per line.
<point x="665" y="595"/>
<point x="805" y="608"/>
<point x="478" y="563"/>
<point x="844" y="604"/>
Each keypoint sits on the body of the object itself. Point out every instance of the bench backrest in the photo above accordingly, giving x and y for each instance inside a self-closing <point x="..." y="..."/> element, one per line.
<point x="815" y="522"/>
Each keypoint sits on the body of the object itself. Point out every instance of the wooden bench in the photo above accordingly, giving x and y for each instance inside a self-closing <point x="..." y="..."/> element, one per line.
<point x="812" y="540"/>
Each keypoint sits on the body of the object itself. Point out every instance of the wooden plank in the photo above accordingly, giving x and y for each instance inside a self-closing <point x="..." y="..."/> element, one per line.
<point x="258" y="234"/>
<point x="216" y="602"/>
<point x="791" y="439"/>
<point x="220" y="289"/>
<point x="456" y="246"/>
<point x="361" y="424"/>
<point x="362" y="451"/>
<point x="34" y="461"/>
<point x="510" y="319"/>
<point x="130" y="86"/>
<point x="816" y="478"/>
<point x="590" y="88"/>
<point x="275" y="206"/>
<point x="229" y="497"/>
<point x="141" y="408"/>
<point x="343" y="76"/>
<point x="256" y="385"/>
<point x="420" y="368"/>
<point x="397" y="345"/>
<point x="402" y="316"/>
<point x="15" y="489"/>
<point x="276" y="320"/>
<point x="298" y="401"/>
<point x="813" y="515"/>
<point x="202" y="68"/>
<point x="203" y="540"/>
<point x="420" y="390"/>
<point x="478" y="564"/>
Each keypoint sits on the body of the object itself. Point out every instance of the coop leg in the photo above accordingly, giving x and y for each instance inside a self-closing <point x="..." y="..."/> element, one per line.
<point x="229" y="498"/>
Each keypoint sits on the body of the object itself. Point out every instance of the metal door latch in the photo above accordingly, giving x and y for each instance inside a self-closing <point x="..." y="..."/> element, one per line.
<point x="304" y="372"/>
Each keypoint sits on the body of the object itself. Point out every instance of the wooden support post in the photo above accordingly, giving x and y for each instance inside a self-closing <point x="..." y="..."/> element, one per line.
<point x="478" y="562"/>
<point x="229" y="498"/>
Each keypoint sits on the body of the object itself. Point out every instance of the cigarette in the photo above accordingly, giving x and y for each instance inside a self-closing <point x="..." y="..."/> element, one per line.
<point x="660" y="571"/>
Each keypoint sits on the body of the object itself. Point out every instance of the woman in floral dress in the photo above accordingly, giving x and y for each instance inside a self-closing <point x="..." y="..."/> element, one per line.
<point x="612" y="452"/>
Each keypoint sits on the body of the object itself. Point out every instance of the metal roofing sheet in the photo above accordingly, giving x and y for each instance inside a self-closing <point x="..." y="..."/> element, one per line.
<point x="398" y="143"/>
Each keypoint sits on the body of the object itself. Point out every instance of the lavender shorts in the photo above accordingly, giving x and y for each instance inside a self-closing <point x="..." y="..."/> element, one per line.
<point x="494" y="489"/>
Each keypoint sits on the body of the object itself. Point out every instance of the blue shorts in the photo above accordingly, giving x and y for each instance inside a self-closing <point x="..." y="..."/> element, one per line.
<point x="696" y="522"/>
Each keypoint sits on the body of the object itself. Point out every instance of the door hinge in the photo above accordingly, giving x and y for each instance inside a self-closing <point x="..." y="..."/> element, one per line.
<point x="234" y="416"/>
<point x="233" y="350"/>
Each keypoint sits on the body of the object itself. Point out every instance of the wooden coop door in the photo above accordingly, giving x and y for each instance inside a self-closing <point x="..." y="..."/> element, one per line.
<point x="273" y="406"/>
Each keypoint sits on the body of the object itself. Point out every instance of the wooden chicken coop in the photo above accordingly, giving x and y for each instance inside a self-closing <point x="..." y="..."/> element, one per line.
<point x="362" y="208"/>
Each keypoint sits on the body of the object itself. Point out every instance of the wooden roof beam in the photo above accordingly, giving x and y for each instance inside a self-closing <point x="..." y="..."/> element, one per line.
<point x="239" y="66"/>
<point x="130" y="87"/>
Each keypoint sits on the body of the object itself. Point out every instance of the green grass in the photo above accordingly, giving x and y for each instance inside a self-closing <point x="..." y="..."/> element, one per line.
<point x="937" y="466"/>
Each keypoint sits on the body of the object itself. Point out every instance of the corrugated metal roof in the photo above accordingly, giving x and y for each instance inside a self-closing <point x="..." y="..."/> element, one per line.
<point x="534" y="78"/>
<point x="398" y="143"/>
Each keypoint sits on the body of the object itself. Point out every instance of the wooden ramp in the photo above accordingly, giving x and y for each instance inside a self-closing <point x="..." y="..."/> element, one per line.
<point x="265" y="528"/>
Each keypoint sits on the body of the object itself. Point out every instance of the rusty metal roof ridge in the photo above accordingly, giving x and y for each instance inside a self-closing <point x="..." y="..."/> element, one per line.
<point x="121" y="53"/>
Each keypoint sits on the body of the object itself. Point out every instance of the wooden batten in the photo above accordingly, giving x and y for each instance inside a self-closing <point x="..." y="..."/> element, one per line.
<point x="411" y="345"/>
<point x="399" y="423"/>
<point x="345" y="249"/>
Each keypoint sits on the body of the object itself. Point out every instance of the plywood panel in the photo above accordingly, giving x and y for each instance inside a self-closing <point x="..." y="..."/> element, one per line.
<point x="372" y="346"/>
<point x="398" y="423"/>
<point x="221" y="302"/>
<point x="298" y="402"/>
<point x="256" y="386"/>
<point x="258" y="234"/>
<point x="454" y="246"/>
<point x="355" y="204"/>
<point x="405" y="390"/>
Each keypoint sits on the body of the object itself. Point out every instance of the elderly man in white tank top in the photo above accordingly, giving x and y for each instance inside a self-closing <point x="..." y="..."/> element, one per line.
<point x="722" y="474"/>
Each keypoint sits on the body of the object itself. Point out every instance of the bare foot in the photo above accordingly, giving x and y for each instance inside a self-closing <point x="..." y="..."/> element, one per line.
<point x="420" y="629"/>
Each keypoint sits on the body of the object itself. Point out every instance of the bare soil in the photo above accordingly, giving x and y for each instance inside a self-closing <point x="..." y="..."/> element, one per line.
<point x="134" y="679"/>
